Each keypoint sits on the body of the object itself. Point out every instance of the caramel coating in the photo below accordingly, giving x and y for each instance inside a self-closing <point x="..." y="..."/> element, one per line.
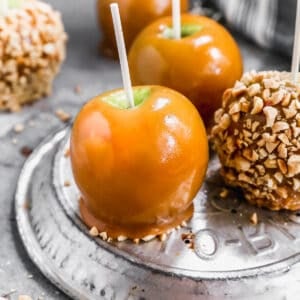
<point x="201" y="66"/>
<point x="257" y="138"/>
<point x="138" y="169"/>
<point x="135" y="16"/>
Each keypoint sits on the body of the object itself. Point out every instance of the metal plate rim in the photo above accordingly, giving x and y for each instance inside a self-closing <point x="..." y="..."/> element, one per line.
<point x="32" y="246"/>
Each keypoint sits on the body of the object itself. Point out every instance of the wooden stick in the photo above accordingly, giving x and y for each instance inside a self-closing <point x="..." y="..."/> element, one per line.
<point x="176" y="19"/>
<point x="3" y="7"/>
<point x="296" y="48"/>
<point x="122" y="53"/>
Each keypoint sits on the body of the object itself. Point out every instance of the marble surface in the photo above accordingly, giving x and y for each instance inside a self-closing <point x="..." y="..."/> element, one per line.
<point x="93" y="74"/>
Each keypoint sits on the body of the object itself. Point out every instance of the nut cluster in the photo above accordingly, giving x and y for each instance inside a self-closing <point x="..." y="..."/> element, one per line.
<point x="257" y="138"/>
<point x="121" y="238"/>
<point x="32" y="47"/>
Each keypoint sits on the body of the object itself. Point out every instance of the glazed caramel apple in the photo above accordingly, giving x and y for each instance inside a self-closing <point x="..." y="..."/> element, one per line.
<point x="138" y="169"/>
<point x="201" y="65"/>
<point x="257" y="138"/>
<point x="135" y="15"/>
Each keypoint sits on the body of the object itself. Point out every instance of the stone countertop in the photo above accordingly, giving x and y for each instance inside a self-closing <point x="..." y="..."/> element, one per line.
<point x="83" y="69"/>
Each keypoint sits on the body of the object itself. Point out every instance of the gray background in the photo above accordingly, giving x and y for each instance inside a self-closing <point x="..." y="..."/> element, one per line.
<point x="83" y="67"/>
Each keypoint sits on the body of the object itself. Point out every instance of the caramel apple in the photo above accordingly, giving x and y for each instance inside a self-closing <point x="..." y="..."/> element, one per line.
<point x="32" y="49"/>
<point x="135" y="15"/>
<point x="138" y="169"/>
<point x="257" y="138"/>
<point x="201" y="65"/>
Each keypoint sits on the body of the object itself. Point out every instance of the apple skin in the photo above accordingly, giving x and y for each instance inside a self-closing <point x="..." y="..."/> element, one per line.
<point x="138" y="169"/>
<point x="135" y="16"/>
<point x="201" y="66"/>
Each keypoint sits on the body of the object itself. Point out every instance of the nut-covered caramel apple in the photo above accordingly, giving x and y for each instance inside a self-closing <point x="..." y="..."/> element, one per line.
<point x="257" y="138"/>
<point x="138" y="169"/>
<point x="32" y="49"/>
<point x="201" y="65"/>
<point x="135" y="15"/>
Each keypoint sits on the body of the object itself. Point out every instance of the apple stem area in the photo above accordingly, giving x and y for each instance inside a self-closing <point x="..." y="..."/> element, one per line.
<point x="118" y="98"/>
<point x="186" y="31"/>
<point x="122" y="53"/>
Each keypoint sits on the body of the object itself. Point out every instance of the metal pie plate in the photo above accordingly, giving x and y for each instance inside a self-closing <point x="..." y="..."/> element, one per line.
<point x="230" y="256"/>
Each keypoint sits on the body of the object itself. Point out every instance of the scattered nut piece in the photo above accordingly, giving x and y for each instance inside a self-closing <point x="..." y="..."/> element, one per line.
<point x="242" y="164"/>
<point x="162" y="237"/>
<point x="67" y="183"/>
<point x="282" y="166"/>
<point x="254" y="126"/>
<point x="270" y="163"/>
<point x="282" y="192"/>
<point x="270" y="146"/>
<point x="258" y="105"/>
<point x="250" y="154"/>
<point x="62" y="115"/>
<point x="296" y="184"/>
<point x="234" y="108"/>
<point x="24" y="297"/>
<point x="271" y="114"/>
<point x="224" y="193"/>
<point x="94" y="231"/>
<point x="266" y="94"/>
<point x="283" y="138"/>
<point x="293" y="165"/>
<point x="244" y="105"/>
<point x="282" y="151"/>
<point x="218" y="115"/>
<point x="148" y="238"/>
<point x="238" y="89"/>
<point x="261" y="170"/>
<point x="296" y="130"/>
<point x="255" y="136"/>
<point x="270" y="83"/>
<point x="262" y="153"/>
<point x="253" y="89"/>
<point x="279" y="177"/>
<point x="291" y="111"/>
<point x="286" y="100"/>
<point x="184" y="224"/>
<point x="103" y="235"/>
<point x="67" y="153"/>
<point x="77" y="89"/>
<point x="19" y="128"/>
<point x="261" y="143"/>
<point x="277" y="97"/>
<point x="244" y="177"/>
<point x="280" y="126"/>
<point x="224" y="122"/>
<point x="235" y="117"/>
<point x="121" y="238"/>
<point x="254" y="219"/>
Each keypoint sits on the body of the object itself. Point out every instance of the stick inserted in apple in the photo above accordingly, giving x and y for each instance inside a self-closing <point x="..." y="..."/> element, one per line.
<point x="139" y="156"/>
<point x="192" y="54"/>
